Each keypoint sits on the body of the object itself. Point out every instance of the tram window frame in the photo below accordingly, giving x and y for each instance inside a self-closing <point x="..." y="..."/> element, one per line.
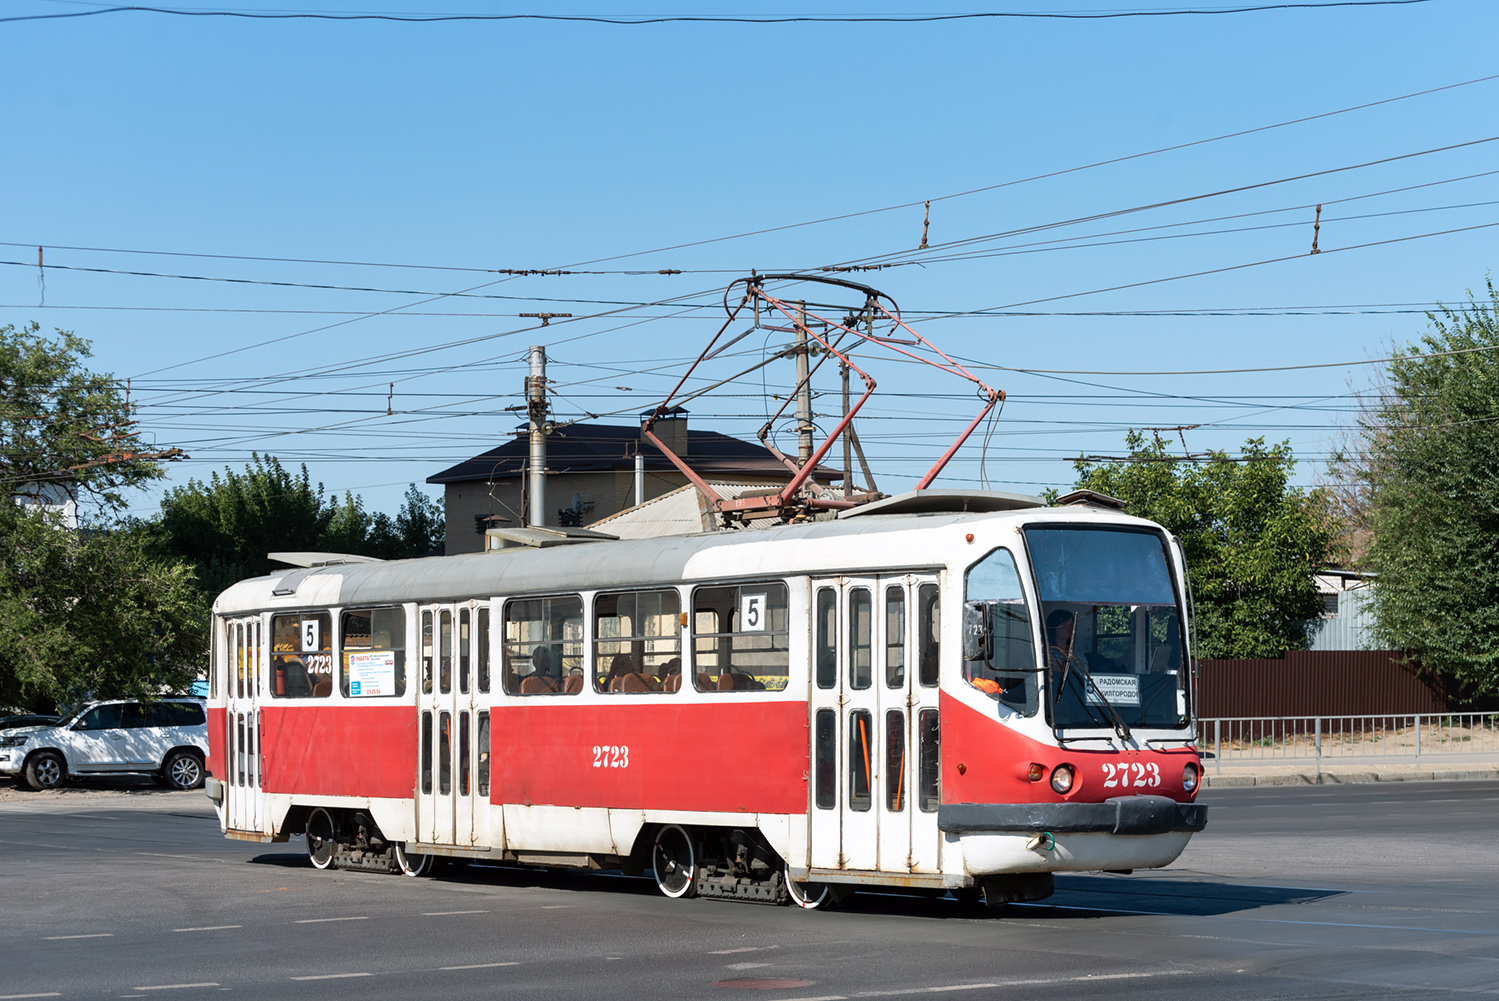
<point x="1009" y="674"/>
<point x="825" y="758"/>
<point x="860" y="638"/>
<point x="641" y="648"/>
<point x="825" y="643"/>
<point x="897" y="792"/>
<point x="929" y="634"/>
<point x="895" y="636"/>
<point x="239" y="660"/>
<point x="481" y="740"/>
<point x="482" y="654"/>
<point x="861" y="750"/>
<point x="929" y="761"/>
<point x="465" y="647"/>
<point x="393" y="619"/>
<point x="445" y="639"/>
<point x="288" y="633"/>
<point x="566" y="651"/>
<point x="770" y="657"/>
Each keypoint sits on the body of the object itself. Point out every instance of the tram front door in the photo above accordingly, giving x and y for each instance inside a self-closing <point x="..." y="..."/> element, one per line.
<point x="452" y="782"/>
<point x="874" y="724"/>
<point x="244" y="763"/>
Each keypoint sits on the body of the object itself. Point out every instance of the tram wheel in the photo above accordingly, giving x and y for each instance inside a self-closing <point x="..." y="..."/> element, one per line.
<point x="412" y="864"/>
<point x="675" y="862"/>
<point x="808" y="896"/>
<point x="321" y="845"/>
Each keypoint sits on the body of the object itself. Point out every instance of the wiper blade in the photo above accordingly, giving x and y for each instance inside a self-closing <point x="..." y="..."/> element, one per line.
<point x="1120" y="727"/>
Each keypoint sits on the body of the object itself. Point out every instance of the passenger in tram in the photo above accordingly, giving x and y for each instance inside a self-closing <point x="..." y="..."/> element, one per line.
<point x="621" y="665"/>
<point x="671" y="669"/>
<point x="541" y="664"/>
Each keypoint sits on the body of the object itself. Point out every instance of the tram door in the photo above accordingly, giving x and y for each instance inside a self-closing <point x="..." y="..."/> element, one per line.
<point x="451" y="806"/>
<point x="243" y="765"/>
<point x="868" y="702"/>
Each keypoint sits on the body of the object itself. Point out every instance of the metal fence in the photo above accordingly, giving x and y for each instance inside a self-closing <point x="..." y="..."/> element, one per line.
<point x="1327" y="740"/>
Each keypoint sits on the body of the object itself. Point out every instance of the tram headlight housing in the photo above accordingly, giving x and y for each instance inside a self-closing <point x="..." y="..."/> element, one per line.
<point x="1189" y="777"/>
<point x="1061" y="779"/>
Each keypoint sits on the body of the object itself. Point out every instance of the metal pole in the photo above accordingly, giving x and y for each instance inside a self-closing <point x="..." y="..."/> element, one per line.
<point x="536" y="409"/>
<point x="1319" y="750"/>
<point x="1218" y="746"/>
<point x="639" y="477"/>
<point x="803" y="388"/>
<point x="848" y="457"/>
<point x="1418" y="740"/>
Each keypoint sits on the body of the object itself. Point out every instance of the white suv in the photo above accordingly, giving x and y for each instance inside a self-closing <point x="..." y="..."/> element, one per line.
<point x="168" y="739"/>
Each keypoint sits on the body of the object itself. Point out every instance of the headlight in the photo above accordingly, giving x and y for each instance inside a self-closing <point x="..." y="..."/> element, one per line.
<point x="16" y="741"/>
<point x="1061" y="779"/>
<point x="1189" y="777"/>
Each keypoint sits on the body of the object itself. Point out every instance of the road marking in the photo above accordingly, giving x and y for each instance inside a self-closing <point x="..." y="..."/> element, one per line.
<point x="210" y="928"/>
<point x="948" y="988"/>
<point x="334" y="976"/>
<point x="1273" y="921"/>
<point x="443" y="914"/>
<point x="61" y="938"/>
<point x="174" y="987"/>
<point x="744" y="948"/>
<point x="316" y="921"/>
<point x="477" y="966"/>
<point x="745" y="966"/>
<point x="14" y="997"/>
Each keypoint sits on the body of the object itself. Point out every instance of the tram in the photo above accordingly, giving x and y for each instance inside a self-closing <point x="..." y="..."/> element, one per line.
<point x="778" y="714"/>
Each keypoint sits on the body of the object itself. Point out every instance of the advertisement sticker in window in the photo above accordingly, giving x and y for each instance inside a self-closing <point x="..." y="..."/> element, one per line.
<point x="372" y="674"/>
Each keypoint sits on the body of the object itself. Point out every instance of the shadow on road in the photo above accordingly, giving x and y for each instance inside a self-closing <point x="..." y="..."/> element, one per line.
<point x="1077" y="896"/>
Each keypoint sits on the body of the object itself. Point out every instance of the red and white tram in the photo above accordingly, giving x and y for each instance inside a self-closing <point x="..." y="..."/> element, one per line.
<point x="768" y="714"/>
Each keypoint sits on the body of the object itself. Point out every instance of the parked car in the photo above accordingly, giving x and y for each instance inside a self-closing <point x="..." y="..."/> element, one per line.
<point x="15" y="722"/>
<point x="167" y="739"/>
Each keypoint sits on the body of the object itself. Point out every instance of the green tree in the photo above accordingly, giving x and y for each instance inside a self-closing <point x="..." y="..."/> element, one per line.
<point x="228" y="525"/>
<point x="1430" y="445"/>
<point x="91" y="610"/>
<point x="1251" y="541"/>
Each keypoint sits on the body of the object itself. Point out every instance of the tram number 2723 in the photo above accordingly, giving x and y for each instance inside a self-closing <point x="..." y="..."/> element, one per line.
<point x="611" y="756"/>
<point x="1131" y="774"/>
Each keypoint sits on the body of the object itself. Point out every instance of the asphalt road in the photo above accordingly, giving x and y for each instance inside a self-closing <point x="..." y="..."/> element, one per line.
<point x="1357" y="892"/>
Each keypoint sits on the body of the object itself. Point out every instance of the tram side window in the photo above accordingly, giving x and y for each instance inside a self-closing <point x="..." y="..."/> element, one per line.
<point x="302" y="655"/>
<point x="929" y="762"/>
<point x="827" y="637"/>
<point x="482" y="783"/>
<point x="483" y="653"/>
<point x="740" y="636"/>
<point x="543" y="646"/>
<point x="1009" y="674"/>
<point x="372" y="642"/>
<point x="637" y="642"/>
<point x="825" y="760"/>
<point x="928" y="630"/>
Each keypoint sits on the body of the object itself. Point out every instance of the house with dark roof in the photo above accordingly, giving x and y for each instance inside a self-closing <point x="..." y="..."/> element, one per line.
<point x="591" y="475"/>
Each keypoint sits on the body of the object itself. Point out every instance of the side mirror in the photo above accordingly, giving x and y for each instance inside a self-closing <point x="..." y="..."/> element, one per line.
<point x="978" y="638"/>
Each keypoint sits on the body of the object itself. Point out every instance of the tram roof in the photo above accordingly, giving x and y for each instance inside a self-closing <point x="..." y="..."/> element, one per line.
<point x="896" y="542"/>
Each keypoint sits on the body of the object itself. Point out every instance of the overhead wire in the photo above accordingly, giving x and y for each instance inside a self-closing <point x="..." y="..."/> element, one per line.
<point x="628" y="20"/>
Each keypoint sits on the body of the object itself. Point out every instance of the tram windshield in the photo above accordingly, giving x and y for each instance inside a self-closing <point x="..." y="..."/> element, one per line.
<point x="1111" y="625"/>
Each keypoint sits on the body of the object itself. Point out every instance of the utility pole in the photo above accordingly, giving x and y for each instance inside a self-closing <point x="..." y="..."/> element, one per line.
<point x="848" y="457"/>
<point x="536" y="410"/>
<point x="803" y="388"/>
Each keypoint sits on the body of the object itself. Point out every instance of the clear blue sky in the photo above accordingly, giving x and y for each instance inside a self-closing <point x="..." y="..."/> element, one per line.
<point x="529" y="144"/>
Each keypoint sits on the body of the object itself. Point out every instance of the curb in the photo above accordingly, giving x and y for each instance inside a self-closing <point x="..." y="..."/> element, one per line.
<point x="1349" y="778"/>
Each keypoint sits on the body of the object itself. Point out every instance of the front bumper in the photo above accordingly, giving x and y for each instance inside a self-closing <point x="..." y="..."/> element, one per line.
<point x="11" y="760"/>
<point x="1126" y="815"/>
